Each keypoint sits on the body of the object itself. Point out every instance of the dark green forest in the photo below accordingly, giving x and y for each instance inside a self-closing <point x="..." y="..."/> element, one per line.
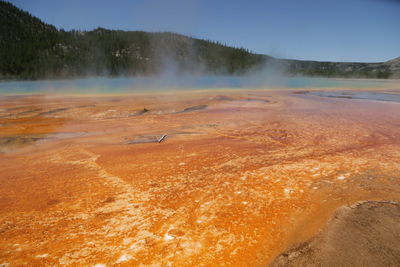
<point x="32" y="49"/>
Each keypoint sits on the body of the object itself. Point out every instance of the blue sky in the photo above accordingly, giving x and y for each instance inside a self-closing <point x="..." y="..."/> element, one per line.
<point x="341" y="30"/>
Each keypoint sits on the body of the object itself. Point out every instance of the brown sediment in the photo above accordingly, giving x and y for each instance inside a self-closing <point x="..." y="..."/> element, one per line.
<point x="238" y="182"/>
<point x="364" y="234"/>
<point x="7" y="142"/>
<point x="52" y="111"/>
<point x="147" y="139"/>
<point x="18" y="141"/>
<point x="194" y="108"/>
<point x="20" y="113"/>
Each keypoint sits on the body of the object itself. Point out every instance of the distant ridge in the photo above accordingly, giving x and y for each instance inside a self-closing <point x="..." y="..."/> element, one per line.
<point x="32" y="49"/>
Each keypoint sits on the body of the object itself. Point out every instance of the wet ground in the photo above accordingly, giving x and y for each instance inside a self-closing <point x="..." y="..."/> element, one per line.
<point x="240" y="176"/>
<point x="365" y="95"/>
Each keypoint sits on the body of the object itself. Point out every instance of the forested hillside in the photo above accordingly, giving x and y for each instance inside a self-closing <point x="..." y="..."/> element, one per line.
<point x="32" y="49"/>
